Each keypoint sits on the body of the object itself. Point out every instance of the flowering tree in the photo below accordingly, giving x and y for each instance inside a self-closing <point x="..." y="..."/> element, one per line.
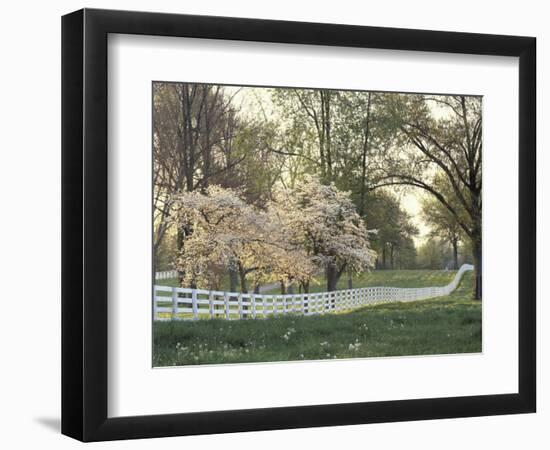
<point x="323" y="221"/>
<point x="285" y="260"/>
<point x="231" y="235"/>
<point x="226" y="232"/>
<point x="304" y="229"/>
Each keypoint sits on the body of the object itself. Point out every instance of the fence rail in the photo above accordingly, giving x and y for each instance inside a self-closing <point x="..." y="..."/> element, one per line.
<point x="172" y="303"/>
<point x="164" y="275"/>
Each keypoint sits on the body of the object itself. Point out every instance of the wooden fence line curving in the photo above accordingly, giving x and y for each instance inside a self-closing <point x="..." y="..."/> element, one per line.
<point x="172" y="303"/>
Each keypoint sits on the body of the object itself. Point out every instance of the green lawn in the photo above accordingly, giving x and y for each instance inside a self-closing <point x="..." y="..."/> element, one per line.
<point x="443" y="325"/>
<point x="395" y="278"/>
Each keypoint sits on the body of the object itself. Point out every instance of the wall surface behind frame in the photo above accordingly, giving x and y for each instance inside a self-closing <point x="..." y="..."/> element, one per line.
<point x="30" y="229"/>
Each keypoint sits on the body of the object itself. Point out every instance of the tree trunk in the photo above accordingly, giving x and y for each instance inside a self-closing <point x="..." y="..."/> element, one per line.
<point x="305" y="287"/>
<point x="350" y="281"/>
<point x="244" y="287"/>
<point x="283" y="288"/>
<point x="233" y="279"/>
<point x="391" y="256"/>
<point x="242" y="275"/>
<point x="364" y="161"/>
<point x="455" y="253"/>
<point x="256" y="289"/>
<point x="331" y="277"/>
<point x="182" y="234"/>
<point x="478" y="267"/>
<point x="384" y="256"/>
<point x="179" y="242"/>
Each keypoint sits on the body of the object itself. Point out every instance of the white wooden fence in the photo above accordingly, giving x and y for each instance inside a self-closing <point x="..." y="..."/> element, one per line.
<point x="171" y="303"/>
<point x="166" y="274"/>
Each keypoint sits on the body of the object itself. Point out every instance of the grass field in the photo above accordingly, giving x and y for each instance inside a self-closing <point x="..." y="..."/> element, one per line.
<point x="395" y="278"/>
<point x="444" y="325"/>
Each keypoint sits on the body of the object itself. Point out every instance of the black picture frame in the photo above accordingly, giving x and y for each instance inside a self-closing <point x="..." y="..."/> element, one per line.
<point x="84" y="224"/>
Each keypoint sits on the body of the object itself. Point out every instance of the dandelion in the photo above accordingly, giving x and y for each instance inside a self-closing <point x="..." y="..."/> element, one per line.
<point x="288" y="333"/>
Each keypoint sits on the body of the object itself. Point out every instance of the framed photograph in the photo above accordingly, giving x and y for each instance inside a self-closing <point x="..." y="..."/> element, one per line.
<point x="273" y="224"/>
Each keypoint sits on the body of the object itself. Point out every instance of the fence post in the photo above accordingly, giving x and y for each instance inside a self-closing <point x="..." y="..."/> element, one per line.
<point x="240" y="305"/>
<point x="174" y="304"/>
<point x="226" y="304"/>
<point x="194" y="302"/>
<point x="211" y="304"/>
